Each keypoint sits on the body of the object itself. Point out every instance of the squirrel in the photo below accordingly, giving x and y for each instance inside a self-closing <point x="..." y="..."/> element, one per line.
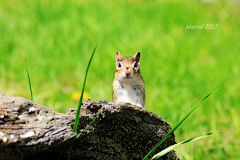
<point x="128" y="84"/>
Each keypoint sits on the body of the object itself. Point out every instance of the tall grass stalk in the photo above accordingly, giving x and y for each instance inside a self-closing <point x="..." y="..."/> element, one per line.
<point x="80" y="102"/>
<point x="29" y="81"/>
<point x="81" y="97"/>
<point x="177" y="125"/>
<point x="170" y="148"/>
<point x="87" y="126"/>
<point x="79" y="136"/>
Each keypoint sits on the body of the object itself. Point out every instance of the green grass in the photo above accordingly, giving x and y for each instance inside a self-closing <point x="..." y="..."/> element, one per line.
<point x="179" y="66"/>
<point x="29" y="80"/>
<point x="175" y="127"/>
<point x="172" y="147"/>
<point x="75" y="125"/>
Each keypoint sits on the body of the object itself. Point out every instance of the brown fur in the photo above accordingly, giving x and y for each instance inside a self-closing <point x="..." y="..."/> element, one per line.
<point x="135" y="79"/>
<point x="115" y="98"/>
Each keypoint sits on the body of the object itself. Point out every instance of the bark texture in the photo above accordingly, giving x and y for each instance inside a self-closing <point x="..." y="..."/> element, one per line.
<point x="123" y="131"/>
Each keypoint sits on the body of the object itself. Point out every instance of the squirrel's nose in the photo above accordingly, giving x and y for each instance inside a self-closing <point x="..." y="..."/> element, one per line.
<point x="127" y="73"/>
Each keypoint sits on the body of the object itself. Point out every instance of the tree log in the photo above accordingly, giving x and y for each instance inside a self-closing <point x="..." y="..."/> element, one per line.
<point x="123" y="131"/>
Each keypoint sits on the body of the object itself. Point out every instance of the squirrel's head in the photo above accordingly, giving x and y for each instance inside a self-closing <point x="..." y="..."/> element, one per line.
<point x="127" y="67"/>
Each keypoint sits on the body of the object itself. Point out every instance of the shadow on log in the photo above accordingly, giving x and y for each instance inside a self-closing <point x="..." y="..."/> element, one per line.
<point x="31" y="131"/>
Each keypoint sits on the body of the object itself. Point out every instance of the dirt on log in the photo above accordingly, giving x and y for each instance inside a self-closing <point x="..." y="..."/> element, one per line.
<point x="31" y="131"/>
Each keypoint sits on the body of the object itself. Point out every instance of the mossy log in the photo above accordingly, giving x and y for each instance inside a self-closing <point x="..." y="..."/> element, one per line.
<point x="31" y="131"/>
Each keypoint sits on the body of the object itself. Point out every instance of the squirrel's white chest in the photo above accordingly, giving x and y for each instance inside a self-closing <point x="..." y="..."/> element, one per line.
<point x="129" y="93"/>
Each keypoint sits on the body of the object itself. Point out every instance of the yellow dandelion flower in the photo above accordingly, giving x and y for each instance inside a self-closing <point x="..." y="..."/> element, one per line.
<point x="76" y="95"/>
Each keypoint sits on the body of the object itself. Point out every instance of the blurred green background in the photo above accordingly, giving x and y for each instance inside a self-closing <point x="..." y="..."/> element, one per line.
<point x="180" y="66"/>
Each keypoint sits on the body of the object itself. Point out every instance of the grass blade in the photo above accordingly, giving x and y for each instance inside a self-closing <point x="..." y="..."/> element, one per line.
<point x="29" y="81"/>
<point x="81" y="97"/>
<point x="177" y="125"/>
<point x="80" y="102"/>
<point x="70" y="151"/>
<point x="87" y="126"/>
<point x="170" y="148"/>
<point x="80" y="135"/>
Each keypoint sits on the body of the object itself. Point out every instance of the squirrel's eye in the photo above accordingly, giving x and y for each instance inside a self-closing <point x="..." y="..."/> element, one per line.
<point x="135" y="65"/>
<point x="119" y="65"/>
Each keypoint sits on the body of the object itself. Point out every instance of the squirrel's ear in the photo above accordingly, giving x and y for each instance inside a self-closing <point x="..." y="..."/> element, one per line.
<point x="137" y="56"/>
<point x="118" y="56"/>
